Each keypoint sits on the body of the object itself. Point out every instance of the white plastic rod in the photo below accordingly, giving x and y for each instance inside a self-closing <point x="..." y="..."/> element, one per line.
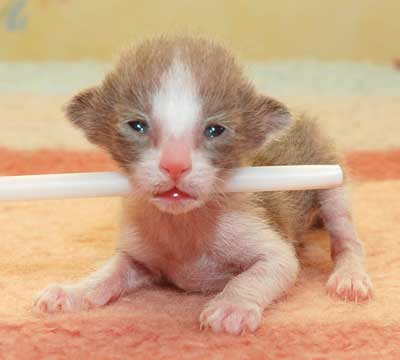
<point x="99" y="184"/>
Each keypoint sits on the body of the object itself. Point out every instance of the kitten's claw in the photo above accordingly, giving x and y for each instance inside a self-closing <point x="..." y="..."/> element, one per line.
<point x="203" y="326"/>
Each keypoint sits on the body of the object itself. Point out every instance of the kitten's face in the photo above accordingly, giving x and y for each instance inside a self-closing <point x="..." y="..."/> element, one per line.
<point x="177" y="115"/>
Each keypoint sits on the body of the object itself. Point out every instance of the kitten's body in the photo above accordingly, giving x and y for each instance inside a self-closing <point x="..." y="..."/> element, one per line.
<point x="200" y="239"/>
<point x="190" y="256"/>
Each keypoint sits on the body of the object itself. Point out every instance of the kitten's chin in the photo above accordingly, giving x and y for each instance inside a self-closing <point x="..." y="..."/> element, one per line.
<point x="176" y="206"/>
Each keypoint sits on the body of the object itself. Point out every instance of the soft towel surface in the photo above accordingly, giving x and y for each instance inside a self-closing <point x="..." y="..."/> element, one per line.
<point x="61" y="241"/>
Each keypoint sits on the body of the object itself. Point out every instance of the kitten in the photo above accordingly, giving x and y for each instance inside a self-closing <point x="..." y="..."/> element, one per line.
<point x="177" y="114"/>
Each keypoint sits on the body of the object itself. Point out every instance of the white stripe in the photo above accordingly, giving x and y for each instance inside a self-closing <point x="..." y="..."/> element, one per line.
<point x="176" y="104"/>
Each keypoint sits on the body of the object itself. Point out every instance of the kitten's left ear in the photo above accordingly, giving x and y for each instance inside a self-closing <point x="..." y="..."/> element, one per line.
<point x="267" y="118"/>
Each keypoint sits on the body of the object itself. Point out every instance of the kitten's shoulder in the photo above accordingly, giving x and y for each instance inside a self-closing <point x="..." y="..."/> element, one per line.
<point x="302" y="143"/>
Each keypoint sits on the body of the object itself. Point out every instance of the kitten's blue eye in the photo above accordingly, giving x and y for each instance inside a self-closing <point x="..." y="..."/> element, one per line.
<point x="213" y="131"/>
<point x="139" y="126"/>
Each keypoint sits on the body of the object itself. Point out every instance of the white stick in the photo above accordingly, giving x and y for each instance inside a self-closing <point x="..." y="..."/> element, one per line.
<point x="249" y="179"/>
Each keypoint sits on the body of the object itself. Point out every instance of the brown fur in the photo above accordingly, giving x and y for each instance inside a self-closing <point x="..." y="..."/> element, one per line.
<point x="224" y="90"/>
<point x="226" y="93"/>
<point x="293" y="212"/>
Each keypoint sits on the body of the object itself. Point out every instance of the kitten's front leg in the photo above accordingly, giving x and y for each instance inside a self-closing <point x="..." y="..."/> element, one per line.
<point x="349" y="279"/>
<point x="116" y="278"/>
<point x="273" y="270"/>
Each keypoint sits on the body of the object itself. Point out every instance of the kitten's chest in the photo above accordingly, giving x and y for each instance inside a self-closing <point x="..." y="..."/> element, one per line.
<point x="182" y="250"/>
<point x="203" y="274"/>
<point x="188" y="265"/>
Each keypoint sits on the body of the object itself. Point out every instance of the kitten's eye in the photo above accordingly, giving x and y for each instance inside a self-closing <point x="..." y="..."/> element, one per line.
<point x="139" y="126"/>
<point x="213" y="131"/>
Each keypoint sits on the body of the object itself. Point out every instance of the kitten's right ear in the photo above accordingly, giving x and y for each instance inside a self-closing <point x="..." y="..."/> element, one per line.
<point x="80" y="109"/>
<point x="84" y="112"/>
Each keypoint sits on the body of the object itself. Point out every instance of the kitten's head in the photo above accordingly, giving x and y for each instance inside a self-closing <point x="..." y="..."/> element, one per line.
<point x="177" y="114"/>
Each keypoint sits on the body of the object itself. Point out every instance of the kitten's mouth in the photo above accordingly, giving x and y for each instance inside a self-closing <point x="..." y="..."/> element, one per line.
<point x="174" y="194"/>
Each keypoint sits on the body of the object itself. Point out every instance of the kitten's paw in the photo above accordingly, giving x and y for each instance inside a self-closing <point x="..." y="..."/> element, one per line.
<point x="60" y="298"/>
<point x="232" y="317"/>
<point x="350" y="285"/>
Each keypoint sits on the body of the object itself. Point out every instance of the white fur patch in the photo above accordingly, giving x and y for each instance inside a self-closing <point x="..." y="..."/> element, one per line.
<point x="176" y="104"/>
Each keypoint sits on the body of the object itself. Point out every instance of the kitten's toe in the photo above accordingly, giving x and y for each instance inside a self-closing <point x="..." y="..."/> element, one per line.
<point x="230" y="317"/>
<point x="60" y="298"/>
<point x="350" y="285"/>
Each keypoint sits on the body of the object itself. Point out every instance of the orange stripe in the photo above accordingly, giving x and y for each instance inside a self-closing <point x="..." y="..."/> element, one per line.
<point x="363" y="165"/>
<point x="374" y="165"/>
<point x="22" y="162"/>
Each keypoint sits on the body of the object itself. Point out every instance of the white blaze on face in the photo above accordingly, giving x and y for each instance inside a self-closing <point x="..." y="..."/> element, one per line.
<point x="176" y="104"/>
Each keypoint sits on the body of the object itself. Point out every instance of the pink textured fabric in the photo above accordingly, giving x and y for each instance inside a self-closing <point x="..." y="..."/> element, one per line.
<point x="130" y="334"/>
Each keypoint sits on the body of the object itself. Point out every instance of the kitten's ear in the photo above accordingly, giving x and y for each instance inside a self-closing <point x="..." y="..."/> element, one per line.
<point x="266" y="118"/>
<point x="80" y="109"/>
<point x="84" y="111"/>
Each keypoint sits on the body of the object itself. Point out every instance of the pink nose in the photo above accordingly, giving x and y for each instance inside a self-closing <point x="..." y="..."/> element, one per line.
<point x="176" y="159"/>
<point x="175" y="170"/>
